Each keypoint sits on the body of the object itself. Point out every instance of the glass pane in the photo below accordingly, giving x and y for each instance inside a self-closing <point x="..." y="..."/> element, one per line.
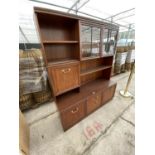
<point x="95" y="41"/>
<point x="86" y="41"/>
<point x="112" y="42"/>
<point x="109" y="41"/>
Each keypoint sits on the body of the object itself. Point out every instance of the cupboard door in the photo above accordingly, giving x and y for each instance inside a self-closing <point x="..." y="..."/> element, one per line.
<point x="93" y="102"/>
<point x="108" y="94"/>
<point x="86" y="40"/>
<point x="90" y="41"/>
<point x="96" y="34"/>
<point x="109" y="42"/>
<point x="73" y="114"/>
<point x="64" y="77"/>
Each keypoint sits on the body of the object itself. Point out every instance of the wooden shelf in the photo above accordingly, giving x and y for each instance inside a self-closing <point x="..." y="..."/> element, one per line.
<point x="110" y="55"/>
<point x="96" y="57"/>
<point x="89" y="71"/>
<point x="61" y="61"/>
<point x="59" y="42"/>
<point x="89" y="58"/>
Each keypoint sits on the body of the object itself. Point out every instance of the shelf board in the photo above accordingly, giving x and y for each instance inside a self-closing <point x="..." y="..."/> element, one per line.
<point x="96" y="69"/>
<point x="59" y="42"/>
<point x="89" y="58"/>
<point x="61" y="61"/>
<point x="96" y="57"/>
<point x="110" y="55"/>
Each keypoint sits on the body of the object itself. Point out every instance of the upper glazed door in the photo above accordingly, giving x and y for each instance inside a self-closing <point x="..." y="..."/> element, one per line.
<point x="109" y="42"/>
<point x="90" y="41"/>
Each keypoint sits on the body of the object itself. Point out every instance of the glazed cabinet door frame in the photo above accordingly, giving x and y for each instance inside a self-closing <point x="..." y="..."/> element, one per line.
<point x="91" y="25"/>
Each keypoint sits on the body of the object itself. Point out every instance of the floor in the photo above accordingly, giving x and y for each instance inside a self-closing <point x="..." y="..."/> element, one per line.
<point x="107" y="131"/>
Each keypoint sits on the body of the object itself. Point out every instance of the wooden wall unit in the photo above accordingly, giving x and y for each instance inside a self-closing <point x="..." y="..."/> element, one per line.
<point x="73" y="48"/>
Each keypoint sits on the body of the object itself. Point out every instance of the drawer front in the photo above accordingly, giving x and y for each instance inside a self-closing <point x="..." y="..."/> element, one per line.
<point x="108" y="94"/>
<point x="93" y="102"/>
<point x="64" y="78"/>
<point x="73" y="114"/>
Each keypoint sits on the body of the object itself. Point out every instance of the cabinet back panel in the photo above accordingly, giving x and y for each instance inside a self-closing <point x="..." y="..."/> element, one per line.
<point x="55" y="28"/>
<point x="61" y="51"/>
<point x="90" y="77"/>
<point x="107" y="73"/>
<point x="90" y="64"/>
<point x="108" y="60"/>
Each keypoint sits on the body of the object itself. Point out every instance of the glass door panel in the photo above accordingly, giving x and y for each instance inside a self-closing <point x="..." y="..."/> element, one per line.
<point x="86" y="41"/>
<point x="96" y="33"/>
<point x="90" y="41"/>
<point x="109" y="42"/>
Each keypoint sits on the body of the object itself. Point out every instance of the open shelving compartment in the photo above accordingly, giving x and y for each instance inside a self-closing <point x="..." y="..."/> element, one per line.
<point x="60" y="37"/>
<point x="92" y="69"/>
<point x="61" y="52"/>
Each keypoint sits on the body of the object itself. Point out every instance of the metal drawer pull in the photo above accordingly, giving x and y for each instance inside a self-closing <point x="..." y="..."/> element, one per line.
<point x="93" y="92"/>
<point x="75" y="110"/>
<point x="66" y="70"/>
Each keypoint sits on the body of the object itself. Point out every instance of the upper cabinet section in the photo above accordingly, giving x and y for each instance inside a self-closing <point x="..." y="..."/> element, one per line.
<point x="59" y="36"/>
<point x="65" y="37"/>
<point x="109" y="42"/>
<point x="57" y="29"/>
<point x="90" y="41"/>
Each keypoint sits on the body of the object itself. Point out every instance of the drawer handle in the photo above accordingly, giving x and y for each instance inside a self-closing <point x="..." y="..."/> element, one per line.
<point x="93" y="93"/>
<point x="66" y="70"/>
<point x="75" y="110"/>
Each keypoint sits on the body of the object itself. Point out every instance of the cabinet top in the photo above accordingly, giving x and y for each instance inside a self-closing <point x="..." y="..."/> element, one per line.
<point x="73" y="16"/>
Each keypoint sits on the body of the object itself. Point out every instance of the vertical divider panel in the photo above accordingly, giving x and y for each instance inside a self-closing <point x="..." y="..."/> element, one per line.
<point x="40" y="37"/>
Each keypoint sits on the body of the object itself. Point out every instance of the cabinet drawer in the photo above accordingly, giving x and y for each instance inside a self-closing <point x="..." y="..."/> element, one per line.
<point x="93" y="102"/>
<point x="64" y="77"/>
<point x="108" y="94"/>
<point x="73" y="114"/>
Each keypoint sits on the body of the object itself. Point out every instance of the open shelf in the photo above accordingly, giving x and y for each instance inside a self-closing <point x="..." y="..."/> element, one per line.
<point x="89" y="71"/>
<point x="61" y="61"/>
<point x="57" y="28"/>
<point x="58" y="52"/>
<point x="59" y="42"/>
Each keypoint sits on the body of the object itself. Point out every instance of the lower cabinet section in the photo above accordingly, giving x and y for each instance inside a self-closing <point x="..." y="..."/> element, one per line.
<point x="73" y="114"/>
<point x="93" y="102"/>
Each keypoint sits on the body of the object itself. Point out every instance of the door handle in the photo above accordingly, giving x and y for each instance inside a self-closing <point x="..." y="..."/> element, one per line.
<point x="93" y="92"/>
<point x="75" y="110"/>
<point x="66" y="70"/>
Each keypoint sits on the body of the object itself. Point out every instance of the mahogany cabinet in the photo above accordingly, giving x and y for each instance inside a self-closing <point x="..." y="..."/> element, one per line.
<point x="78" y="52"/>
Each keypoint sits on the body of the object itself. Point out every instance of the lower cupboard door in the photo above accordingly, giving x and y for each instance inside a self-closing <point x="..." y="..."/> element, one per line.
<point x="73" y="115"/>
<point x="108" y="94"/>
<point x="93" y="102"/>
